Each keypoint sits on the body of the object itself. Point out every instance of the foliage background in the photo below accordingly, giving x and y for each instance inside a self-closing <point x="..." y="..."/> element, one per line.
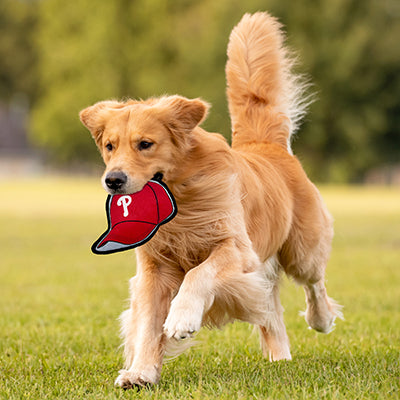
<point x="61" y="56"/>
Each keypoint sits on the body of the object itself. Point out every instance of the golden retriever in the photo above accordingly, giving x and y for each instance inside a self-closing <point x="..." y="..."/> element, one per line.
<point x="246" y="212"/>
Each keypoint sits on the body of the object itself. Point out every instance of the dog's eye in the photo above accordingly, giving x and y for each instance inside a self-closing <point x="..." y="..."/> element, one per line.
<point x="109" y="146"/>
<point x="143" y="145"/>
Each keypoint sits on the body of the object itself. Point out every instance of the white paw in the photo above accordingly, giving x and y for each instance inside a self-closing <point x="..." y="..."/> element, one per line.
<point x="280" y="354"/>
<point x="322" y="322"/>
<point x="132" y="378"/>
<point x="183" y="319"/>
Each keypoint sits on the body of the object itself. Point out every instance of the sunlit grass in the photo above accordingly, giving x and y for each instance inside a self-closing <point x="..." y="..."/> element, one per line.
<point x="59" y="306"/>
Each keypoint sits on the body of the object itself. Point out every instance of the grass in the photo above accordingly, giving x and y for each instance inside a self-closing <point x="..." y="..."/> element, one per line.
<point x="59" y="306"/>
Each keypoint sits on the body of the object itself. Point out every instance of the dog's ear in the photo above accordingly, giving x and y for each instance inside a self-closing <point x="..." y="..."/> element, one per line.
<point x="180" y="113"/>
<point x="95" y="117"/>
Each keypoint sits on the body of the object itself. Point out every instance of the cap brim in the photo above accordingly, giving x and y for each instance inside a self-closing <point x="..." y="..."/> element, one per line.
<point x="116" y="239"/>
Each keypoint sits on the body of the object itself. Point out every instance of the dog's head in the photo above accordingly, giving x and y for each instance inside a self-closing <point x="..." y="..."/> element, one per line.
<point x="138" y="139"/>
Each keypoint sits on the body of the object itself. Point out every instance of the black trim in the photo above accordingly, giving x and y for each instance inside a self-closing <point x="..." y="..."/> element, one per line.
<point x="158" y="177"/>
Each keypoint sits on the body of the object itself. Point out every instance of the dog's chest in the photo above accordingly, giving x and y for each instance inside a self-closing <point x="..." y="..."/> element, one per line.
<point x="203" y="220"/>
<point x="188" y="239"/>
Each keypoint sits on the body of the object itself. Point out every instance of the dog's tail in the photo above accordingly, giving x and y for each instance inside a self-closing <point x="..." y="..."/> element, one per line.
<point x="266" y="99"/>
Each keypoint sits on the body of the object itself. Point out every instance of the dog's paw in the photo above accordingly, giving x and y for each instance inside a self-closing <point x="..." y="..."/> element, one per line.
<point x="183" y="321"/>
<point x="134" y="379"/>
<point x="321" y="317"/>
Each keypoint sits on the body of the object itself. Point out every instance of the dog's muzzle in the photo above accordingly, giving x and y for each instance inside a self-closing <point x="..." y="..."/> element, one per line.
<point x="116" y="180"/>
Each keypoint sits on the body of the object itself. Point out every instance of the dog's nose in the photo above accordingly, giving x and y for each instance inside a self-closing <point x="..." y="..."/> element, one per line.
<point x="115" y="180"/>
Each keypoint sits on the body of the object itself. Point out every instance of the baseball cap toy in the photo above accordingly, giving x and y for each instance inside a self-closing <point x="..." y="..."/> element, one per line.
<point x="133" y="219"/>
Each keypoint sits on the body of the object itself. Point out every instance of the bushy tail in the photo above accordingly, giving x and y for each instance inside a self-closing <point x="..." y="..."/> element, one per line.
<point x="265" y="98"/>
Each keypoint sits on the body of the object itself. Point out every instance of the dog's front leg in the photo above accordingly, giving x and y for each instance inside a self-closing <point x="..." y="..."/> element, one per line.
<point x="194" y="298"/>
<point x="142" y="325"/>
<point x="199" y="288"/>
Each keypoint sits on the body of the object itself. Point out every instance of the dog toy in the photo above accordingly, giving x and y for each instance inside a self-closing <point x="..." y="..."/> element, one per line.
<point x="133" y="219"/>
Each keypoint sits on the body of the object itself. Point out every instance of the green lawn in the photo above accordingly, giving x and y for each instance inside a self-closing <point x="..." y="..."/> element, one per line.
<point x="59" y="306"/>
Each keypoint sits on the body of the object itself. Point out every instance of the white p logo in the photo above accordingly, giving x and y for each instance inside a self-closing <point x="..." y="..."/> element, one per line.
<point x="124" y="201"/>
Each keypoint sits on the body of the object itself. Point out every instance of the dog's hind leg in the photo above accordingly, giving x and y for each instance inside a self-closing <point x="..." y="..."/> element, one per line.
<point x="321" y="310"/>
<point x="304" y="257"/>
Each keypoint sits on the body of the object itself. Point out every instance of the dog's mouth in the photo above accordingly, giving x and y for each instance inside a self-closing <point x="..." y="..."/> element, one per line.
<point x="117" y="182"/>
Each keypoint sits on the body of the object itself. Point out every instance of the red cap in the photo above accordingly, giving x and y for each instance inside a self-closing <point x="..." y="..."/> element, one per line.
<point x="133" y="219"/>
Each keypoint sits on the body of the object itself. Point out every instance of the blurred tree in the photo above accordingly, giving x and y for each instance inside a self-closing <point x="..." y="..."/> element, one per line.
<point x="78" y="65"/>
<point x="17" y="50"/>
<point x="18" y="84"/>
<point x="349" y="48"/>
<point x="89" y="51"/>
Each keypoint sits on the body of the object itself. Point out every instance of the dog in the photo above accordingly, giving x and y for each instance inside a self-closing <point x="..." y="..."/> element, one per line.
<point x="246" y="212"/>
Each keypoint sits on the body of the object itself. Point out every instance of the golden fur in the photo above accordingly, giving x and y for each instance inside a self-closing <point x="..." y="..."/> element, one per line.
<point x="245" y="212"/>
